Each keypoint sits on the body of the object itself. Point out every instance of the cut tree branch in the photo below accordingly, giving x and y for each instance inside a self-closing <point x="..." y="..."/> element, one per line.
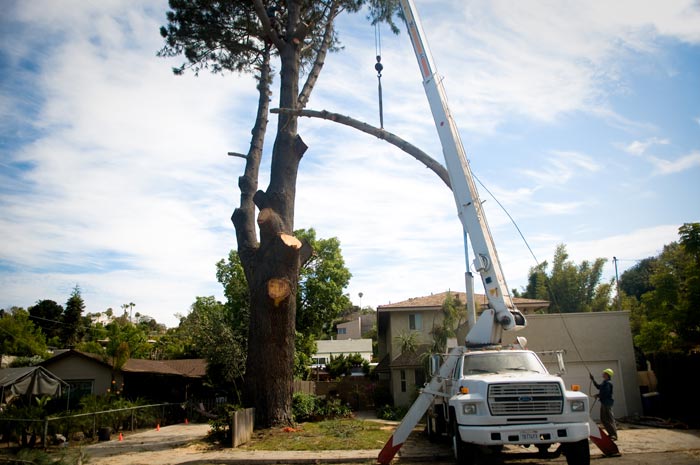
<point x="393" y="139"/>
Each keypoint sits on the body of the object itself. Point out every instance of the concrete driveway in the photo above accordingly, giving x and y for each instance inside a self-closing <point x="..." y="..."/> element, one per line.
<point x="177" y="444"/>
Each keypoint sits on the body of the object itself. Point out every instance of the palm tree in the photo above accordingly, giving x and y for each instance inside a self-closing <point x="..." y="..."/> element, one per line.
<point x="408" y="341"/>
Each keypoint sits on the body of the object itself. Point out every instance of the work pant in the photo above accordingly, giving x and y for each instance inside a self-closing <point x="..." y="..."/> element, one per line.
<point x="608" y="420"/>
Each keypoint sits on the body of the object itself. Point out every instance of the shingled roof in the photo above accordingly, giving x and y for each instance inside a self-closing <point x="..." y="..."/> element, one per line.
<point x="190" y="368"/>
<point x="436" y="300"/>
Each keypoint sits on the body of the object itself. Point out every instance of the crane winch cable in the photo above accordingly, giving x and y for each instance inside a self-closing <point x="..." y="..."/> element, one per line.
<point x="547" y="284"/>
<point x="379" y="67"/>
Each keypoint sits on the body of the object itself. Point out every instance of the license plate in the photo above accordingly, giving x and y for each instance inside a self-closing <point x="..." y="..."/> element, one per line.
<point x="529" y="436"/>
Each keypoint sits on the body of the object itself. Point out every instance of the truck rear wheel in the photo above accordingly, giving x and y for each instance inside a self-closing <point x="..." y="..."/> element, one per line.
<point x="435" y="422"/>
<point x="577" y="453"/>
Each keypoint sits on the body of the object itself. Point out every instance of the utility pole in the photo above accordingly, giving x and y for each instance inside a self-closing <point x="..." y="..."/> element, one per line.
<point x="617" y="285"/>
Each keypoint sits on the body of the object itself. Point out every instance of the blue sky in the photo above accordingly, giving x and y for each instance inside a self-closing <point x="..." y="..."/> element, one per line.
<point x="582" y="118"/>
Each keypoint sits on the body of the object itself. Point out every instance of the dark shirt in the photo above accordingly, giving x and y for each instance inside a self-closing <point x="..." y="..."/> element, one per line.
<point x="605" y="392"/>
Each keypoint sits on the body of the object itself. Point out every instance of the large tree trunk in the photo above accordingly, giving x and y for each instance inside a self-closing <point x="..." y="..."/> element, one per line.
<point x="272" y="265"/>
<point x="275" y="267"/>
<point x="271" y="335"/>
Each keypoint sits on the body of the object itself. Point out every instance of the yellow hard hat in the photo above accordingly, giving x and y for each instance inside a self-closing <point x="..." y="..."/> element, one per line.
<point x="609" y="372"/>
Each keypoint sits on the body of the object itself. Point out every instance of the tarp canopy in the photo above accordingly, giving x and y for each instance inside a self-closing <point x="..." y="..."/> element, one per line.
<point x="37" y="381"/>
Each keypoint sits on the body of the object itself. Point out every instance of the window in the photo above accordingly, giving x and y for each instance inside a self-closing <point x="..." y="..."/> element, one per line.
<point x="403" y="380"/>
<point x="415" y="322"/>
<point x="80" y="387"/>
<point x="342" y="330"/>
<point x="502" y="362"/>
<point x="420" y="377"/>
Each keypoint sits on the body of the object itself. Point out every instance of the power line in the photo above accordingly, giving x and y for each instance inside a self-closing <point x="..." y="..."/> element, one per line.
<point x="549" y="289"/>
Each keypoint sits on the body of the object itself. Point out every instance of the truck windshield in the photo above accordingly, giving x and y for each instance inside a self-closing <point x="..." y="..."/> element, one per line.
<point x="500" y="362"/>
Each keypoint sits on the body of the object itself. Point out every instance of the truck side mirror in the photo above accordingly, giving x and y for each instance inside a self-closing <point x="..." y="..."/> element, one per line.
<point x="435" y="362"/>
<point x="560" y="362"/>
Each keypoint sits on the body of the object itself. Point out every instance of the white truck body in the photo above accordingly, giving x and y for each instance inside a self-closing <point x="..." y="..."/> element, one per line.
<point x="506" y="396"/>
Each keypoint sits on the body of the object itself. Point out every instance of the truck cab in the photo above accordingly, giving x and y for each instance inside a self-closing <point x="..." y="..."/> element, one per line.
<point x="497" y="397"/>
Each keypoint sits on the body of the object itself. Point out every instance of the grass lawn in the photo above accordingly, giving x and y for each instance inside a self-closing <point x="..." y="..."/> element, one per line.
<point x="342" y="434"/>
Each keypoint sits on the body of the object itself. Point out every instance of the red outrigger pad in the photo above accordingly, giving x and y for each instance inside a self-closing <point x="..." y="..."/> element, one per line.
<point x="389" y="451"/>
<point x="602" y="440"/>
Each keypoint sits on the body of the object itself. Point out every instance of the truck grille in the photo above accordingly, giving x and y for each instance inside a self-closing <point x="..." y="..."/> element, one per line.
<point x="526" y="399"/>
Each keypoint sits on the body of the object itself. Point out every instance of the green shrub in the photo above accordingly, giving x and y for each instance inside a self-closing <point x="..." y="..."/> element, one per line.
<point x="388" y="412"/>
<point x="333" y="408"/>
<point x="221" y="425"/>
<point x="304" y="406"/>
<point x="309" y="407"/>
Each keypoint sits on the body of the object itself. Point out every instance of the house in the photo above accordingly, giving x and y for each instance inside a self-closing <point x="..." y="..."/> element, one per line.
<point x="591" y="341"/>
<point x="356" y="325"/>
<point x="155" y="380"/>
<point x="325" y="349"/>
<point x="86" y="373"/>
<point x="165" y="380"/>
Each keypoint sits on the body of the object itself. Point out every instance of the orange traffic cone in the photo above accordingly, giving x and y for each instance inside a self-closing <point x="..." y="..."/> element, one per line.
<point x="158" y="427"/>
<point x="121" y="437"/>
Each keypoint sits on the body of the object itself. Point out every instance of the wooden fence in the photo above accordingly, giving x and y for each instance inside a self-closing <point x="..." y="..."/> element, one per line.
<point x="305" y="387"/>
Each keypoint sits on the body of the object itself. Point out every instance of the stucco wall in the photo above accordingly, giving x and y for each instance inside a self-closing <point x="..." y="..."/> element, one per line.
<point x="404" y="398"/>
<point x="593" y="342"/>
<point x="400" y="324"/>
<point x="77" y="368"/>
<point x="352" y="330"/>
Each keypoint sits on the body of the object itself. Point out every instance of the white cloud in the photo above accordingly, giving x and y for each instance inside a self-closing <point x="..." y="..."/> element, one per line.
<point x="629" y="248"/>
<point x="681" y="164"/>
<point x="130" y="190"/>
<point x="561" y="167"/>
<point x="639" y="148"/>
<point x="663" y="166"/>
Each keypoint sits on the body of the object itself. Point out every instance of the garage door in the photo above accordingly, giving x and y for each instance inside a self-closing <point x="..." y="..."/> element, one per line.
<point x="577" y="373"/>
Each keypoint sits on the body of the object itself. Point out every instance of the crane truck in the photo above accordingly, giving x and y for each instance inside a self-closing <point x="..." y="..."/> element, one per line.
<point x="486" y="395"/>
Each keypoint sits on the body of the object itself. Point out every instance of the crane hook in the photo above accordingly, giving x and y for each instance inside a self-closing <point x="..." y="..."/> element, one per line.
<point x="379" y="67"/>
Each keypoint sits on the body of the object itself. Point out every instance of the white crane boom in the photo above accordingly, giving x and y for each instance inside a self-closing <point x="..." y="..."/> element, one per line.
<point x="503" y="314"/>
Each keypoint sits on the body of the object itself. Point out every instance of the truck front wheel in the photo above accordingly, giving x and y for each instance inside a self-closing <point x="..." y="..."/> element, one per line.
<point x="577" y="453"/>
<point x="465" y="453"/>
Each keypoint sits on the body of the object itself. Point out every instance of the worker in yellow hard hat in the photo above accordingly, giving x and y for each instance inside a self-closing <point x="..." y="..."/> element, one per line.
<point x="605" y="395"/>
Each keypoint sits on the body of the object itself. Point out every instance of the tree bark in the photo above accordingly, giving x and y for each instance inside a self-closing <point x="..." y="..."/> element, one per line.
<point x="277" y="261"/>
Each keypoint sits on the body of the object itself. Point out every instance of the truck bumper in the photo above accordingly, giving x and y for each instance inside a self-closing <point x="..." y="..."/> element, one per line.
<point x="545" y="433"/>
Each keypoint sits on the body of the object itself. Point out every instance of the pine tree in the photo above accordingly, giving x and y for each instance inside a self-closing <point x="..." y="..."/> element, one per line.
<point x="72" y="319"/>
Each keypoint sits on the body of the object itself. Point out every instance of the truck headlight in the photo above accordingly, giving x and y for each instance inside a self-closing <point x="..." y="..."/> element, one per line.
<point x="578" y="406"/>
<point x="469" y="409"/>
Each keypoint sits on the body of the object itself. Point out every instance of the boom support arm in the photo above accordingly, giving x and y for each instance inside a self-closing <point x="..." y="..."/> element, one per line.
<point x="502" y="313"/>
